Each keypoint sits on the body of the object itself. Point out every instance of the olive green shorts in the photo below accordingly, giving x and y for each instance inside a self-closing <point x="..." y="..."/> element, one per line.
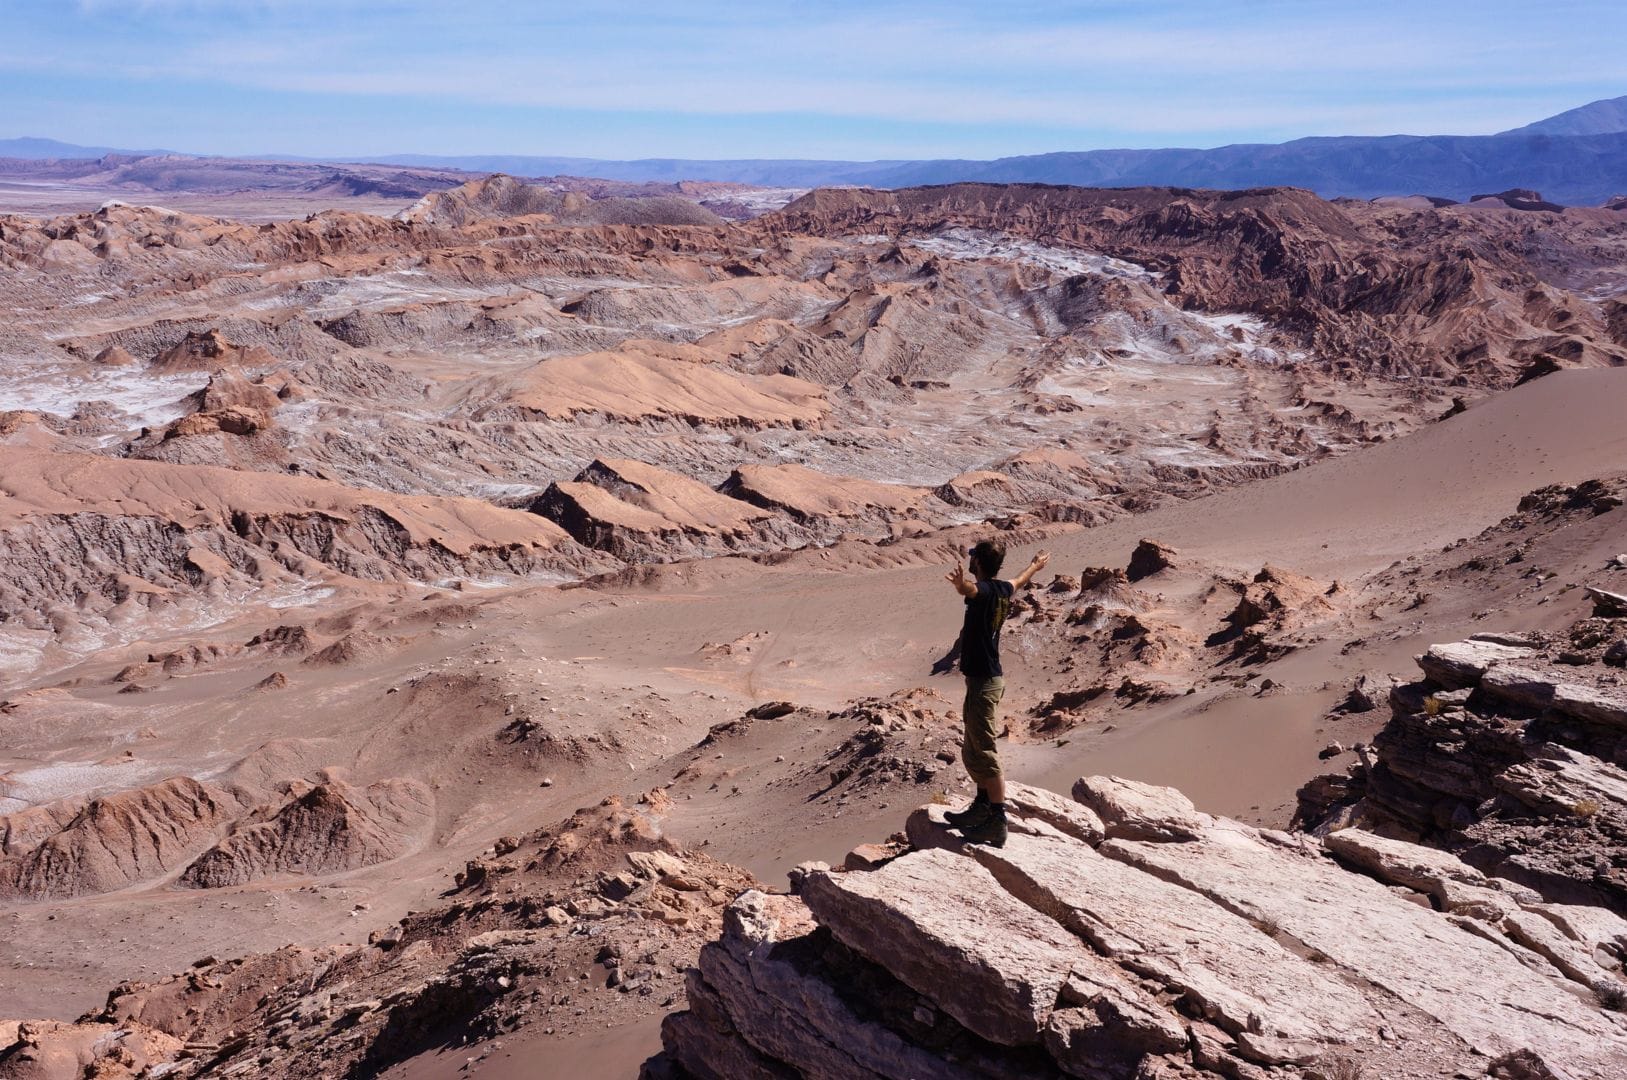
<point x="977" y="745"/>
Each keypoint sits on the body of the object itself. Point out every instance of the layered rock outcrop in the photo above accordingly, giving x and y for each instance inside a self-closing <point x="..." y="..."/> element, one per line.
<point x="111" y="842"/>
<point x="1510" y="752"/>
<point x="808" y="495"/>
<point x="635" y="510"/>
<point x="643" y="513"/>
<point x="1126" y="934"/>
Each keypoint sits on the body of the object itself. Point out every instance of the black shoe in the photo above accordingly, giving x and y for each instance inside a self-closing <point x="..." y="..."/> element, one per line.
<point x="991" y="832"/>
<point x="971" y="817"/>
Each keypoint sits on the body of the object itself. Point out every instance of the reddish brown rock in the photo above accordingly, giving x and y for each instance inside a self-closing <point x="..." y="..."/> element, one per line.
<point x="1149" y="558"/>
<point x="330" y="828"/>
<point x="120" y="839"/>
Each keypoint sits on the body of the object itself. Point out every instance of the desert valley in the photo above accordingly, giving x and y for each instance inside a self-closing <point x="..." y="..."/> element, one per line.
<point x="468" y="625"/>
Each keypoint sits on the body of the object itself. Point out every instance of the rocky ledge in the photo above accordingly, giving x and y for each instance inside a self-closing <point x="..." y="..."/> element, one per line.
<point x="1510" y="752"/>
<point x="1124" y="934"/>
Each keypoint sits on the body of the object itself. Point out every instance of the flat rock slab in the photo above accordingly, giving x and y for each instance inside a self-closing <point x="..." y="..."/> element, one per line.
<point x="1475" y="988"/>
<point x="1458" y="664"/>
<point x="1235" y="974"/>
<point x="1438" y="873"/>
<point x="1107" y="1015"/>
<point x="1537" y="686"/>
<point x="1131" y="810"/>
<point x="1564" y="782"/>
<point x="1596" y="928"/>
<point x="947" y="929"/>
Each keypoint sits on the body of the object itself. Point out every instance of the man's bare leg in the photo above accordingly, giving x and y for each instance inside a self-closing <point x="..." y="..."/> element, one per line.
<point x="995" y="789"/>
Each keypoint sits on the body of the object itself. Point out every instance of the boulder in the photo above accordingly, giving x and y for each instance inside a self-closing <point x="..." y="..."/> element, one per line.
<point x="1131" y="810"/>
<point x="1367" y="693"/>
<point x="1606" y="604"/>
<point x="1150" y="557"/>
<point x="871" y="856"/>
<point x="1065" y="815"/>
<point x="1536" y="687"/>
<point x="232" y="420"/>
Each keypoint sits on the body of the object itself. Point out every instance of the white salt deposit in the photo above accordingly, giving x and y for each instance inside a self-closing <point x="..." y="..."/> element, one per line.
<point x="59" y="780"/>
<point x="973" y="244"/>
<point x="326" y="298"/>
<point x="299" y="596"/>
<point x="21" y="651"/>
<point x="150" y="400"/>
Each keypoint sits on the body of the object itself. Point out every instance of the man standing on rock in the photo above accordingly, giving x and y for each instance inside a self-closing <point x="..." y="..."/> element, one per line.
<point x="988" y="601"/>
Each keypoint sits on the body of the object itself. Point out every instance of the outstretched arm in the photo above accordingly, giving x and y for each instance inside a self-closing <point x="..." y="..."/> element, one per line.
<point x="958" y="577"/>
<point x="1035" y="565"/>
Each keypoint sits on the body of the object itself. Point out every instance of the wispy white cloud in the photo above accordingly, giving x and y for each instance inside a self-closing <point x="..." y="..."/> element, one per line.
<point x="1124" y="71"/>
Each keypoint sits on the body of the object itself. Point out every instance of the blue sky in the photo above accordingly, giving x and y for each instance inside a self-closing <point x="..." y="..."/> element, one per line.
<point x="878" y="79"/>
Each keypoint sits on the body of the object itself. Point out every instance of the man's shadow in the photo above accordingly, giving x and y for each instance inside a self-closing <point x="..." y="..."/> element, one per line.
<point x="945" y="664"/>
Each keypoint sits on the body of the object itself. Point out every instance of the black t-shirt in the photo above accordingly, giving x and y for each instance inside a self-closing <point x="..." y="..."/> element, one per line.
<point x="980" y="634"/>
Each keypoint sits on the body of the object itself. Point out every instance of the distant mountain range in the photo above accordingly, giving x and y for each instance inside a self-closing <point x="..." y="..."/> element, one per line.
<point x="1600" y="118"/>
<point x="1577" y="158"/>
<point x="33" y="149"/>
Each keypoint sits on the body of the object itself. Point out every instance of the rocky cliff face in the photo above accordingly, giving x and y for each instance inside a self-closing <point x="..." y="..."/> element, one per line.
<point x="85" y="538"/>
<point x="1124" y="934"/>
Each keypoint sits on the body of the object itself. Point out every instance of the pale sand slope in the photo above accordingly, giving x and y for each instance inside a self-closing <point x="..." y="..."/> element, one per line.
<point x="1360" y="511"/>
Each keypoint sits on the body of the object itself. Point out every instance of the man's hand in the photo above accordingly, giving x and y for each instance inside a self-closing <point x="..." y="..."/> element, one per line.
<point x="959" y="579"/>
<point x="1035" y="565"/>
